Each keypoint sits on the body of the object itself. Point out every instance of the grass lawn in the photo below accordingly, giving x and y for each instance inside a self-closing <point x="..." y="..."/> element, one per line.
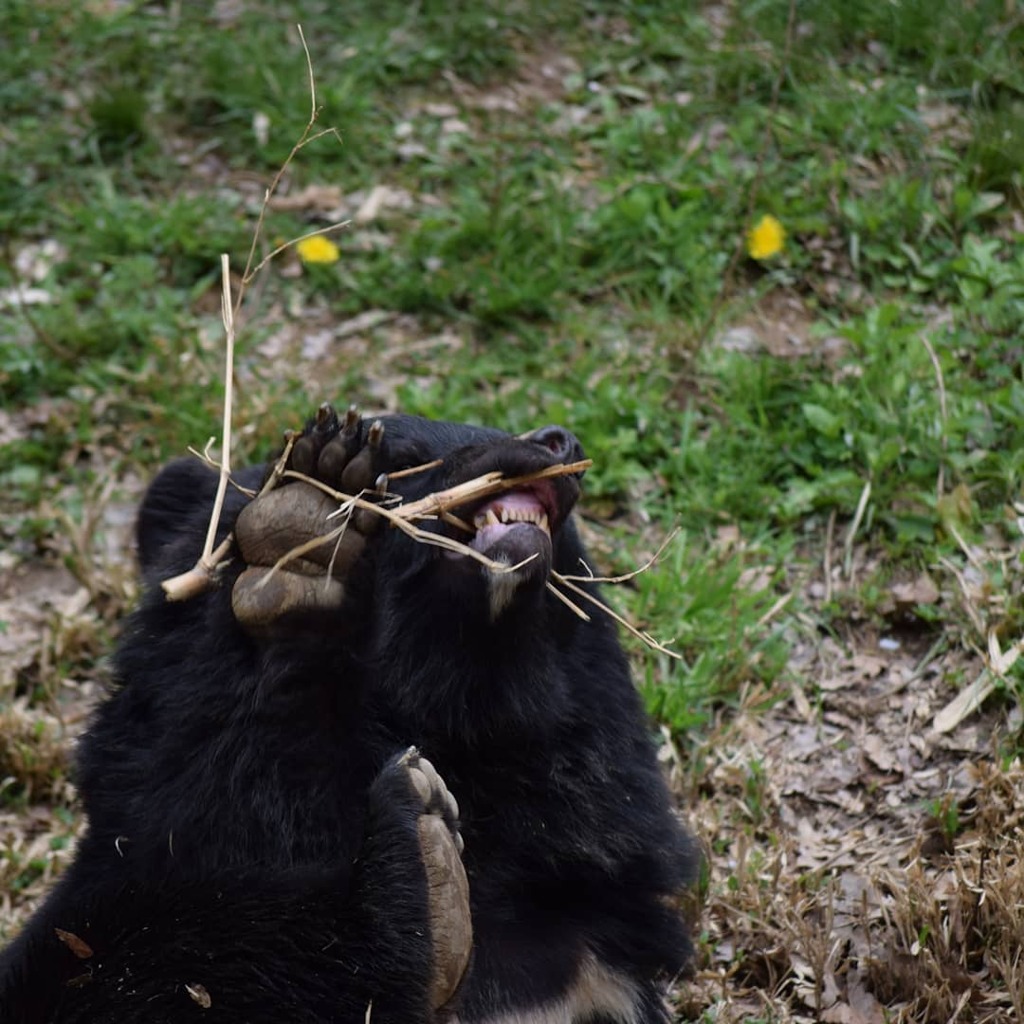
<point x="764" y="259"/>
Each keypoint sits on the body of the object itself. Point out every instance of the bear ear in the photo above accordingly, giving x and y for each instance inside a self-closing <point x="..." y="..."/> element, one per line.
<point x="177" y="503"/>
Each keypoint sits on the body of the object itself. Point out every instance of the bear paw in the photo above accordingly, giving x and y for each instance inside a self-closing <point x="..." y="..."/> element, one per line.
<point x="441" y="846"/>
<point x="300" y="553"/>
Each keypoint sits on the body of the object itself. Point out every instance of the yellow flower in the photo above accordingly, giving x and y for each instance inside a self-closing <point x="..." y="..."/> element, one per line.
<point x="317" y="249"/>
<point x="766" y="238"/>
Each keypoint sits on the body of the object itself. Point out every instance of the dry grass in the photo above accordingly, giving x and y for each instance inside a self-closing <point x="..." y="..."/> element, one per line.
<point x="863" y="868"/>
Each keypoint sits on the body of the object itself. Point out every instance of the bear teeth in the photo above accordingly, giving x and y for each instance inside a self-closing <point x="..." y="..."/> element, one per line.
<point x="504" y="516"/>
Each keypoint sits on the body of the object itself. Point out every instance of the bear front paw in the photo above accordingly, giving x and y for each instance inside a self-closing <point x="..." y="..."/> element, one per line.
<point x="300" y="547"/>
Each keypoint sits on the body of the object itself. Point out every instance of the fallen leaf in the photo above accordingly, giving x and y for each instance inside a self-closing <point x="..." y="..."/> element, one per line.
<point x="382" y="197"/>
<point x="440" y="110"/>
<point x="920" y="591"/>
<point x="199" y="995"/>
<point x="312" y="197"/>
<point x="880" y="753"/>
<point x="78" y="946"/>
<point x="965" y="703"/>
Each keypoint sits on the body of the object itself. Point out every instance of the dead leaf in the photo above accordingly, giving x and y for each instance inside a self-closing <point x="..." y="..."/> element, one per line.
<point x="965" y="703"/>
<point x="843" y="1013"/>
<point x="727" y="537"/>
<point x="862" y="1000"/>
<point x="440" y="110"/>
<point x="199" y="995"/>
<point x="868" y="665"/>
<point x="312" y="197"/>
<point x="78" y="946"/>
<point x="834" y="683"/>
<point x="382" y="197"/>
<point x="881" y="754"/>
<point x="453" y="126"/>
<point x="920" y="591"/>
<point x="365" y="321"/>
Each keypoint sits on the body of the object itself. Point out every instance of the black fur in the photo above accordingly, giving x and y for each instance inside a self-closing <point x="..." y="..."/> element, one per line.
<point x="248" y="832"/>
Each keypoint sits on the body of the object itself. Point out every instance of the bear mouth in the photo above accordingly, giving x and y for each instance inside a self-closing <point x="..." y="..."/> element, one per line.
<point x="500" y="520"/>
<point x="518" y="527"/>
<point x="516" y="530"/>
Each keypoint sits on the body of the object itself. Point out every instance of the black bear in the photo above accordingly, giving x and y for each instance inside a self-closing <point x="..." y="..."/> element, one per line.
<point x="264" y="844"/>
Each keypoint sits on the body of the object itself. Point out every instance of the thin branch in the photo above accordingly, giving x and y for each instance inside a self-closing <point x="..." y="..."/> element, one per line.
<point x="214" y="464"/>
<point x="645" y="638"/>
<point x="292" y="241"/>
<point x="413" y="470"/>
<point x="201" y="575"/>
<point x="575" y="608"/>
<point x="305" y="139"/>
<point x="626" y="577"/>
<point x="303" y="549"/>
<point x="312" y="79"/>
<point x="483" y="486"/>
<point x="227" y="314"/>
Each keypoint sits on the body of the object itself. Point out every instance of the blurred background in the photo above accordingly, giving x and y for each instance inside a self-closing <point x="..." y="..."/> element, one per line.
<point x="763" y="258"/>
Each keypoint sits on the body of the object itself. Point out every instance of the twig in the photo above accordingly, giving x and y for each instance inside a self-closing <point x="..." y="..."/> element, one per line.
<point x="281" y="465"/>
<point x="293" y="241"/>
<point x="434" y="505"/>
<point x="312" y="78"/>
<point x="775" y="609"/>
<point x="214" y="464"/>
<point x="413" y="470"/>
<point x="626" y="577"/>
<point x="645" y="638"/>
<point x="483" y="486"/>
<point x="227" y="315"/>
<point x="305" y="139"/>
<point x="200" y="576"/>
<point x="574" y="608"/>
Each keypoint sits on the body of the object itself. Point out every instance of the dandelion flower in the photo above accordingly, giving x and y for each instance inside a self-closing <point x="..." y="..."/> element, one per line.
<point x="317" y="249"/>
<point x="766" y="238"/>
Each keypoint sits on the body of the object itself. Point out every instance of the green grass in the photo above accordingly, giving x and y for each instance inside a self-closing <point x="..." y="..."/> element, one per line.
<point x="583" y="250"/>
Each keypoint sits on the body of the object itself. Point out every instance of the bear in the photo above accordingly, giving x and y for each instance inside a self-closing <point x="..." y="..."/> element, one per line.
<point x="269" y="835"/>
